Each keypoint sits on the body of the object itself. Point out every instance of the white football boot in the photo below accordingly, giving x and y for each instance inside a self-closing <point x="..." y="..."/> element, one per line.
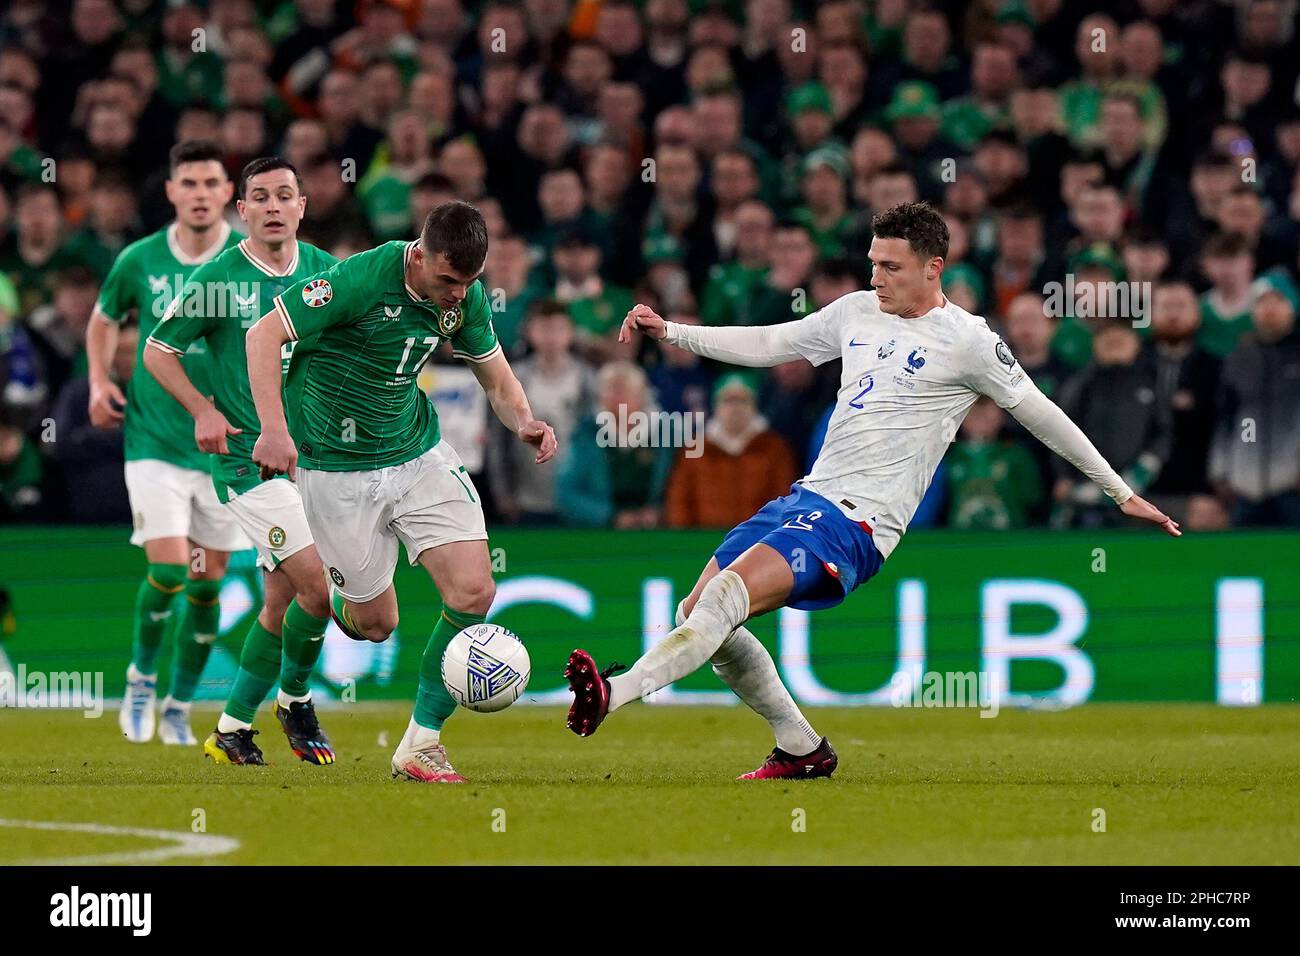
<point x="422" y="758"/>
<point x="137" y="718"/>
<point x="174" y="723"/>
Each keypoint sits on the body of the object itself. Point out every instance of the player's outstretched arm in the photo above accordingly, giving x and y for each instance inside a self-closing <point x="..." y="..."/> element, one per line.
<point x="210" y="426"/>
<point x="1050" y="425"/>
<point x="756" y="346"/>
<point x="274" y="453"/>
<point x="510" y="403"/>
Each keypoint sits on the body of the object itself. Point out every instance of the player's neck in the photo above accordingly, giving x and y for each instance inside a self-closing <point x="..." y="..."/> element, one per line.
<point x="195" y="242"/>
<point x="276" y="255"/>
<point x="927" y="304"/>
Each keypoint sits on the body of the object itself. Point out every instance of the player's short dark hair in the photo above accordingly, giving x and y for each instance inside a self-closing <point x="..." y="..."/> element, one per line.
<point x="265" y="164"/>
<point x="457" y="230"/>
<point x="193" y="151"/>
<point x="917" y="222"/>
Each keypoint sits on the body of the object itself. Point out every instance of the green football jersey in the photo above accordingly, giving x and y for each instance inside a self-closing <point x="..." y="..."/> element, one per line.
<point x="351" y="395"/>
<point x="145" y="278"/>
<point x="222" y="300"/>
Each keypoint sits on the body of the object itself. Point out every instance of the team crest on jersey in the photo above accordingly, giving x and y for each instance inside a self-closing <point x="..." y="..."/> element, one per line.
<point x="275" y="537"/>
<point x="450" y="321"/>
<point x="1004" y="354"/>
<point x="317" y="292"/>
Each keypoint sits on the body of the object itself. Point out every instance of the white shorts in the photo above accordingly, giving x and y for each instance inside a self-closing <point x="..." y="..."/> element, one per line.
<point x="271" y="515"/>
<point x="358" y="516"/>
<point x="168" y="501"/>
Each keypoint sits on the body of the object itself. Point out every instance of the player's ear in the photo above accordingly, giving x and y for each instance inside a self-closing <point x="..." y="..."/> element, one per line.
<point x="228" y="190"/>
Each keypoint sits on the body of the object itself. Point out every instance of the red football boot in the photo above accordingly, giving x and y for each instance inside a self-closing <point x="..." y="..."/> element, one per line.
<point x="780" y="765"/>
<point x="590" y="688"/>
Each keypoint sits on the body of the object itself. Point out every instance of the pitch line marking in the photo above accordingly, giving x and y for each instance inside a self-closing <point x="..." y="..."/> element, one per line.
<point x="183" y="843"/>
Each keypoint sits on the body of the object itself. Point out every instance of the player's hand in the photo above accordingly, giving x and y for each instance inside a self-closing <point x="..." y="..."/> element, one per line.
<point x="542" y="437"/>
<point x="210" y="431"/>
<point x="275" y="454"/>
<point x="1137" y="507"/>
<point x="645" y="320"/>
<point x="106" y="404"/>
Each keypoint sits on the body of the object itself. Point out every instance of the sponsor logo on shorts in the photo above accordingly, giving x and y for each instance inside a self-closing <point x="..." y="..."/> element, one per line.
<point x="317" y="292"/>
<point x="450" y="321"/>
<point x="275" y="537"/>
<point x="336" y="577"/>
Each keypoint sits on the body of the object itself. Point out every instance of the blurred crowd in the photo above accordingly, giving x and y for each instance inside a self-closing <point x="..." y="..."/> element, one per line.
<point x="719" y="161"/>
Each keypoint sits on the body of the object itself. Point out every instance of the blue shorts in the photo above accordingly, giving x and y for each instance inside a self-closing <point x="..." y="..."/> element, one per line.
<point x="829" y="553"/>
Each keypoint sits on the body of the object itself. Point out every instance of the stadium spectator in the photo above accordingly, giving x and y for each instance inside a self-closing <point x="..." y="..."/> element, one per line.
<point x="681" y="380"/>
<point x="1255" y="460"/>
<point x="561" y="390"/>
<point x="618" y="462"/>
<point x="740" y="453"/>
<point x="1186" y="382"/>
<point x="1114" y="401"/>
<point x="994" y="484"/>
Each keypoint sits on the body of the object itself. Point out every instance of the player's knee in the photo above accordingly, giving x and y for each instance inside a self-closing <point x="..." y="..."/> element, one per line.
<point x="315" y="600"/>
<point x="474" y="597"/>
<point x="380" y="628"/>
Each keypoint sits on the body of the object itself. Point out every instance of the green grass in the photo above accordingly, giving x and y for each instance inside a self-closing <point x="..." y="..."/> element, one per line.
<point x="1179" y="784"/>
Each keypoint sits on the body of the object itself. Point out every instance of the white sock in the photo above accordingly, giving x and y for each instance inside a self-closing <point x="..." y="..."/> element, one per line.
<point x="417" y="737"/>
<point x="722" y="607"/>
<point x="228" y="725"/>
<point x="171" y="703"/>
<point x="284" y="700"/>
<point x="134" y="674"/>
<point x="744" y="665"/>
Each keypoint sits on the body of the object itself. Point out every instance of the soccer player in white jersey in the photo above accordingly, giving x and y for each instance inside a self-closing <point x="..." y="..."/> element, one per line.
<point x="914" y="363"/>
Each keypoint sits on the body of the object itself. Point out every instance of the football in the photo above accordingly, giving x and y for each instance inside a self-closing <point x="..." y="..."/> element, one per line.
<point x="485" y="668"/>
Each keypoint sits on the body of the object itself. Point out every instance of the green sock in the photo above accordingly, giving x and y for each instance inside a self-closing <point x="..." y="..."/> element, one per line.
<point x="433" y="704"/>
<point x="341" y="611"/>
<point x="303" y="635"/>
<point x="259" y="664"/>
<point x="153" y="612"/>
<point x="195" y="633"/>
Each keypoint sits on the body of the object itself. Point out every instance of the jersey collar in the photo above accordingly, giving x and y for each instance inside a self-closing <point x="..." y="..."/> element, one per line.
<point x="223" y="233"/>
<point x="406" y="258"/>
<point x="265" y="266"/>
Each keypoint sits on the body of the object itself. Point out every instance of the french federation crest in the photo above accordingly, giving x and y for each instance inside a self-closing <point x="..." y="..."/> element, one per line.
<point x="450" y="321"/>
<point x="485" y="676"/>
<point x="317" y="293"/>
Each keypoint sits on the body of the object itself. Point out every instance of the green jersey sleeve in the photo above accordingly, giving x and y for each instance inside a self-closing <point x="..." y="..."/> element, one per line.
<point x="476" y="339"/>
<point x="338" y="296"/>
<point x="116" y="294"/>
<point x="188" y="318"/>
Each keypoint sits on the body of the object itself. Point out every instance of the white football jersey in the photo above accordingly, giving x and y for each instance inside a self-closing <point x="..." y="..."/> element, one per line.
<point x="906" y="387"/>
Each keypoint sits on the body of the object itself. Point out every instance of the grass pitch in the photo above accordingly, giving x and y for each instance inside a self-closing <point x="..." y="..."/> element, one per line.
<point x="1178" y="784"/>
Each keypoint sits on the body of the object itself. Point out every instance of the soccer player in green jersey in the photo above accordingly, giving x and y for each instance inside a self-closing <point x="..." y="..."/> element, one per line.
<point x="364" y="445"/>
<point x="186" y="536"/>
<point x="220" y="301"/>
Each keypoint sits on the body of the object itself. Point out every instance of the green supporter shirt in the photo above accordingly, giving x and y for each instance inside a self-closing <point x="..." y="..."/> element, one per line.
<point x="363" y="334"/>
<point x="145" y="278"/>
<point x="222" y="300"/>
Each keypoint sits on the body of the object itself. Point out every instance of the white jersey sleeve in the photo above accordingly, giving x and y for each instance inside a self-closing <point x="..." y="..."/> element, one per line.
<point x="815" y="338"/>
<point x="992" y="370"/>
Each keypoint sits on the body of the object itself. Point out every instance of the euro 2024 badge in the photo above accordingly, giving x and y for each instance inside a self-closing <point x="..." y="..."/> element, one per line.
<point x="317" y="293"/>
